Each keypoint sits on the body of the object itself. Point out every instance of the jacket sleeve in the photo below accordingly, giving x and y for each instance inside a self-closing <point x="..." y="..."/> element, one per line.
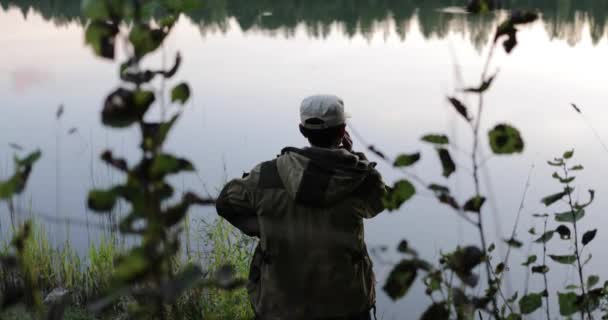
<point x="371" y="195"/>
<point x="237" y="203"/>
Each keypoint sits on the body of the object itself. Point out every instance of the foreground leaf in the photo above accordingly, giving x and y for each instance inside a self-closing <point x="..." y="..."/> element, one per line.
<point x="589" y="236"/>
<point x="447" y="163"/>
<point x="102" y="200"/>
<point x="564" y="232"/>
<point x="540" y="269"/>
<point x="474" y="204"/>
<point x="400" y="279"/>
<point x="530" y="260"/>
<point x="551" y="199"/>
<point x="436" y="139"/>
<point x="436" y="311"/>
<point x="505" y="139"/>
<point x="181" y="93"/>
<point x="514" y="243"/>
<point x="401" y="192"/>
<point x="530" y="303"/>
<point x="592" y="281"/>
<point x="406" y="160"/>
<point x="567" y="259"/>
<point x="460" y="108"/>
<point x="545" y="237"/>
<point x="165" y="164"/>
<point x="567" y="303"/>
<point x="570" y="216"/>
<point x="483" y="87"/>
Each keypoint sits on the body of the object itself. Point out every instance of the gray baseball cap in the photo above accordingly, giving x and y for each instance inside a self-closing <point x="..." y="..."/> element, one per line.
<point x="322" y="112"/>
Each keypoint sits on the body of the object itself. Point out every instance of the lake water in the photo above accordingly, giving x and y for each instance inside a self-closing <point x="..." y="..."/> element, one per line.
<point x="249" y="64"/>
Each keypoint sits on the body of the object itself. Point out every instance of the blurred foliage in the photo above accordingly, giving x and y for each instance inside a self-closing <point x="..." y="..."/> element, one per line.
<point x="145" y="273"/>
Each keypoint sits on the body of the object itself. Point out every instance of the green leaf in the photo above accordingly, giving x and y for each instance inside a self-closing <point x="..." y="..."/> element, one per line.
<point x="29" y="160"/>
<point x="145" y="39"/>
<point x="568" y="154"/>
<point x="447" y="163"/>
<point x="567" y="259"/>
<point x="474" y="204"/>
<point x="556" y="163"/>
<point x="577" y="168"/>
<point x="540" y="269"/>
<point x="514" y="243"/>
<point x="592" y="280"/>
<point x="505" y="139"/>
<point x="132" y="266"/>
<point x="483" y="87"/>
<point x="401" y="192"/>
<point x="436" y="139"/>
<point x="530" y="303"/>
<point x="449" y="200"/>
<point x="564" y="232"/>
<point x="563" y="180"/>
<point x="569" y="216"/>
<point x="463" y="261"/>
<point x="531" y="259"/>
<point x="589" y="236"/>
<point x="491" y="247"/>
<point x="436" y="311"/>
<point x="545" y="237"/>
<point x="124" y="107"/>
<point x="101" y="36"/>
<point x="400" y="279"/>
<point x="439" y="188"/>
<point x="406" y="160"/>
<point x="181" y="93"/>
<point x="567" y="303"/>
<point x="460" y="108"/>
<point x="9" y="187"/>
<point x="16" y="184"/>
<point x="155" y="133"/>
<point x="102" y="200"/>
<point x="164" y="164"/>
<point x="551" y="199"/>
<point x="500" y="268"/>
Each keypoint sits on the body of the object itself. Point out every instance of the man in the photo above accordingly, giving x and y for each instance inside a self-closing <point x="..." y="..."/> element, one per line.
<point x="307" y="208"/>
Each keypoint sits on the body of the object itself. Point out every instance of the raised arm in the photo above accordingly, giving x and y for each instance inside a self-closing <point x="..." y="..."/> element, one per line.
<point x="236" y="203"/>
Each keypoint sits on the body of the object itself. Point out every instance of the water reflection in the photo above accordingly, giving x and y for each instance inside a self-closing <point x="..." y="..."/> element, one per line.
<point x="563" y="20"/>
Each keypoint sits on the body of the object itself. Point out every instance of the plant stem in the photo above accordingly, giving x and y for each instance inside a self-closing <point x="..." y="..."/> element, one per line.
<point x="576" y="250"/>
<point x="545" y="274"/>
<point x="475" y="163"/>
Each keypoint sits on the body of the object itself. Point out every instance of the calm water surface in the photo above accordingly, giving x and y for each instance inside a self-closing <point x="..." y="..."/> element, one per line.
<point x="250" y="64"/>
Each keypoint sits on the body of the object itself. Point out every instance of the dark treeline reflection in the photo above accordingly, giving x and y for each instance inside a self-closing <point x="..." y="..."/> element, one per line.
<point x="563" y="19"/>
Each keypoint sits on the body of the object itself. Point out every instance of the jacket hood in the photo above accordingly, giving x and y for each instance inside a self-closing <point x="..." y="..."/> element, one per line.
<point x="320" y="177"/>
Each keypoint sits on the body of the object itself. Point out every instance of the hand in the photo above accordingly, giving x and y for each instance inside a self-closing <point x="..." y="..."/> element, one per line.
<point x="347" y="142"/>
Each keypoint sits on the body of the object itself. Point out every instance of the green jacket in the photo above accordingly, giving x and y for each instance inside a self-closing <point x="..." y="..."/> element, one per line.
<point x="307" y="207"/>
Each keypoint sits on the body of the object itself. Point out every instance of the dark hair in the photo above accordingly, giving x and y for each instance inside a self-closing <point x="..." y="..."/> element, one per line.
<point x="324" y="138"/>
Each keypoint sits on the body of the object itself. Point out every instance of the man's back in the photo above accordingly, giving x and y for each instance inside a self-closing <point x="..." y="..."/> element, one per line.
<point x="307" y="207"/>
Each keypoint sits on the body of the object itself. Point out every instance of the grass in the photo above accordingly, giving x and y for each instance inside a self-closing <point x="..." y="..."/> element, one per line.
<point x="89" y="276"/>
